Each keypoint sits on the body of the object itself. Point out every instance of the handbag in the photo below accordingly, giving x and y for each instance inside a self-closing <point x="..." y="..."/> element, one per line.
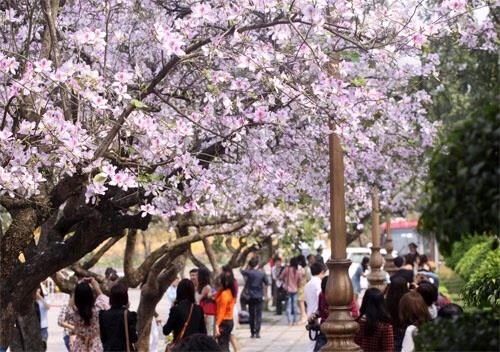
<point x="245" y="294"/>
<point x="130" y="346"/>
<point x="170" y="347"/>
<point x="208" y="305"/>
<point x="282" y="294"/>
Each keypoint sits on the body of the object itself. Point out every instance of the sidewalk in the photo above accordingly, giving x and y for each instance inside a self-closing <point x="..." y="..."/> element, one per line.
<point x="276" y="336"/>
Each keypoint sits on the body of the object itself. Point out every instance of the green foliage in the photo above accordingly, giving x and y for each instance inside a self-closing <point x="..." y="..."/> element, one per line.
<point x="472" y="260"/>
<point x="459" y="248"/>
<point x="483" y="288"/>
<point x="464" y="180"/>
<point x="468" y="79"/>
<point x="475" y="331"/>
<point x="218" y="244"/>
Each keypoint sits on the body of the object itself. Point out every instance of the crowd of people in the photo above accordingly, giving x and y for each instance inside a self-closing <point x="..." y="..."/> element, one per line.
<point x="389" y="320"/>
<point x="202" y="313"/>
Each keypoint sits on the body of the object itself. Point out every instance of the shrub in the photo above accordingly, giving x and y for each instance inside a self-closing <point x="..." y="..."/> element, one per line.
<point x="459" y="249"/>
<point x="483" y="288"/>
<point x="473" y="331"/>
<point x="472" y="259"/>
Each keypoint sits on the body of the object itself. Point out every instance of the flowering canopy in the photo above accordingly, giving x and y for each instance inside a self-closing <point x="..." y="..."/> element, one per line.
<point x="213" y="105"/>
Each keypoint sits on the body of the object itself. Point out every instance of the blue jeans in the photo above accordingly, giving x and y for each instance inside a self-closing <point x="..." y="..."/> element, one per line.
<point x="45" y="334"/>
<point x="292" y="310"/>
<point x="66" y="341"/>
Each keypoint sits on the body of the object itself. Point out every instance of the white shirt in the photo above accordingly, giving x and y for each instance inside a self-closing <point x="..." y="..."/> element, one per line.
<point x="408" y="344"/>
<point x="44" y="323"/>
<point x="275" y="273"/>
<point x="311" y="292"/>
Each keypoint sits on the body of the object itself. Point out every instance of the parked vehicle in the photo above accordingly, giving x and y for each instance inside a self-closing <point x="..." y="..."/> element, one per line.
<point x="405" y="232"/>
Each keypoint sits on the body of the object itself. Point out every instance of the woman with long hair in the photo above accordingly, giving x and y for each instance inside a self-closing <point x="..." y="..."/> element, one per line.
<point x="227" y="269"/>
<point x="84" y="317"/>
<point x="112" y="322"/>
<point x="375" y="329"/>
<point x="185" y="310"/>
<point x="291" y="278"/>
<point x="300" y="292"/>
<point x="413" y="312"/>
<point x="204" y="297"/>
<point x="395" y="290"/>
<point x="226" y="299"/>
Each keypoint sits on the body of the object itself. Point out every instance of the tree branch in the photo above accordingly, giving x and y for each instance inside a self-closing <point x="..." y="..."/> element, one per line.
<point x="98" y="255"/>
<point x="211" y="256"/>
<point x="146" y="266"/>
<point x="128" y="257"/>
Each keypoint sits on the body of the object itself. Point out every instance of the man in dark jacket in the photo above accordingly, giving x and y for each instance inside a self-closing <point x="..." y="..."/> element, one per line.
<point x="256" y="283"/>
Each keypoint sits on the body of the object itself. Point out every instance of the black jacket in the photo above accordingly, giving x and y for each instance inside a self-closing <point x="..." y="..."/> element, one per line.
<point x="112" y="329"/>
<point x="178" y="316"/>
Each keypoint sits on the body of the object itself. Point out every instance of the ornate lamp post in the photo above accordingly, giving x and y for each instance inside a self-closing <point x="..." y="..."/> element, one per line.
<point x="339" y="328"/>
<point x="376" y="276"/>
<point x="389" y="247"/>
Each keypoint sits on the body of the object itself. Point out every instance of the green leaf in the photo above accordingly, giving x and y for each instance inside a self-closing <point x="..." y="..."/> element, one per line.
<point x="138" y="104"/>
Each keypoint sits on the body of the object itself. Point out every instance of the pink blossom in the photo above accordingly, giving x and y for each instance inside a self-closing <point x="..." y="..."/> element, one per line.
<point x="417" y="39"/>
<point x="201" y="10"/>
<point x="260" y="115"/>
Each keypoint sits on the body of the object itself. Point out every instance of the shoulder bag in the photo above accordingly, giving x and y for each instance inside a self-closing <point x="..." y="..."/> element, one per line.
<point x="245" y="293"/>
<point x="170" y="347"/>
<point x="130" y="346"/>
<point x="208" y="305"/>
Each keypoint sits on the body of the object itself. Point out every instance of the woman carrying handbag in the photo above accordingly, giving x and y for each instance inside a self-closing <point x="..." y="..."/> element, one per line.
<point x="117" y="325"/>
<point x="186" y="317"/>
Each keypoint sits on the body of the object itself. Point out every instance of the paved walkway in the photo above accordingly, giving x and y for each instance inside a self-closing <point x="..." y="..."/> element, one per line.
<point x="276" y="335"/>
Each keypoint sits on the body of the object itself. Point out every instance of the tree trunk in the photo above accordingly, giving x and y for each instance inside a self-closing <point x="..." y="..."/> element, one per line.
<point x="151" y="293"/>
<point x="26" y="335"/>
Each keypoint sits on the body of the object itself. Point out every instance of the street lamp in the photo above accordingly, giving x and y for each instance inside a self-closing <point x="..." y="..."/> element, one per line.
<point x="340" y="328"/>
<point x="389" y="247"/>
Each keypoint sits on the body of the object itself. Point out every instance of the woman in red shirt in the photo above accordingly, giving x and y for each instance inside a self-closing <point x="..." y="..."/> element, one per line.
<point x="225" y="299"/>
<point x="375" y="329"/>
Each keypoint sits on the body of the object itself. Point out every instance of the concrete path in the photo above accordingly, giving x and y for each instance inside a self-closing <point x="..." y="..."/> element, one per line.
<point x="276" y="335"/>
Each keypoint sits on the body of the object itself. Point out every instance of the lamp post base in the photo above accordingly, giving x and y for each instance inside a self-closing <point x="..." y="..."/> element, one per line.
<point x="340" y="328"/>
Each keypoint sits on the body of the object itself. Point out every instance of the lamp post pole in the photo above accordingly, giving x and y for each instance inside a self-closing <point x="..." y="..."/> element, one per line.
<point x="376" y="276"/>
<point x="339" y="328"/>
<point x="389" y="247"/>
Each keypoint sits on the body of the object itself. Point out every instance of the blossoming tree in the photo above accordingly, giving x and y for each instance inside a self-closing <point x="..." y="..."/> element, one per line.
<point x="118" y="110"/>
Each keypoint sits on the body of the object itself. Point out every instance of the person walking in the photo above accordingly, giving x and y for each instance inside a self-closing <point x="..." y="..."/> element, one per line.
<point x="205" y="299"/>
<point x="112" y="322"/>
<point x="303" y="268"/>
<point x="291" y="277"/>
<point x="89" y="300"/>
<point x="356" y="278"/>
<point x="375" y="329"/>
<point x="228" y="270"/>
<point x="256" y="281"/>
<point x="43" y="308"/>
<point x="312" y="291"/>
<point x="225" y="299"/>
<point x="279" y="293"/>
<point x="62" y="321"/>
<point x="186" y="317"/>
